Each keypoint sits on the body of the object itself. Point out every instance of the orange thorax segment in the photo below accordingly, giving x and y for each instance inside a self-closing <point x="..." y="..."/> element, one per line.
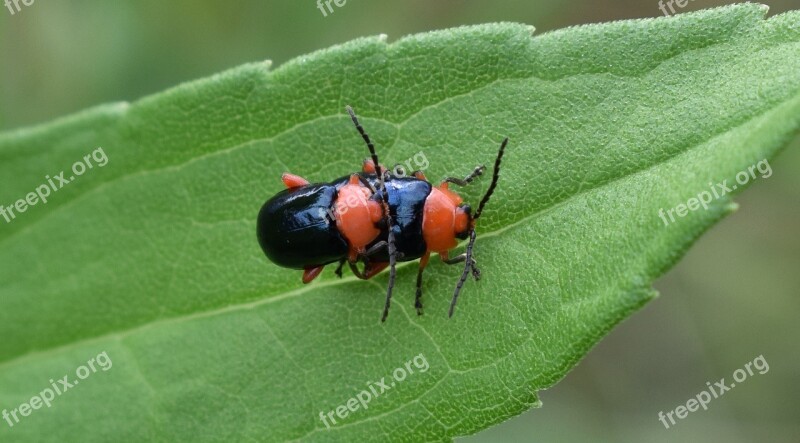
<point x="356" y="216"/>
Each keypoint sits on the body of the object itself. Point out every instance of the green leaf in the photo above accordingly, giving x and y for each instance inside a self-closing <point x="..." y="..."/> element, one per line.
<point x="153" y="258"/>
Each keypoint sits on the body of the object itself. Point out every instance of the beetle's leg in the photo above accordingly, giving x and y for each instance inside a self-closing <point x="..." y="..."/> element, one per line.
<point x="368" y="166"/>
<point x="377" y="247"/>
<point x="352" y="261"/>
<point x="356" y="271"/>
<point x="461" y="258"/>
<point x="373" y="268"/>
<point x="466" y="180"/>
<point x="370" y="269"/>
<point x="338" y="270"/>
<point x="293" y="181"/>
<point x="403" y="172"/>
<point x="418" y="297"/>
<point x="312" y="272"/>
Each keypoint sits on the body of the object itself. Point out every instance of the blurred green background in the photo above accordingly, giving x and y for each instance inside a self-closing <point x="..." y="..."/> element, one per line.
<point x="732" y="298"/>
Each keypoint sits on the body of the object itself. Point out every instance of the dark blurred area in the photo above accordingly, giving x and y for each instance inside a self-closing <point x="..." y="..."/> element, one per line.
<point x="732" y="298"/>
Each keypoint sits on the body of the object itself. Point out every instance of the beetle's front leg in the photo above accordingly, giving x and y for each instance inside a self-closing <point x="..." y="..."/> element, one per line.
<point x="461" y="258"/>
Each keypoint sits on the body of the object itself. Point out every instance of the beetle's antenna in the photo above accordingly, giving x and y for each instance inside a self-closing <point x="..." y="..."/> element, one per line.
<point x="495" y="177"/>
<point x="469" y="264"/>
<point x="371" y="147"/>
<point x="390" y="237"/>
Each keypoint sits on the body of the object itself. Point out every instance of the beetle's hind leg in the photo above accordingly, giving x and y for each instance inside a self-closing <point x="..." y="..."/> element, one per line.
<point x="370" y="268"/>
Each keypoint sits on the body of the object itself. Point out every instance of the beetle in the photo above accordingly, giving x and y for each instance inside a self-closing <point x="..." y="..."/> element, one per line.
<point x="375" y="217"/>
